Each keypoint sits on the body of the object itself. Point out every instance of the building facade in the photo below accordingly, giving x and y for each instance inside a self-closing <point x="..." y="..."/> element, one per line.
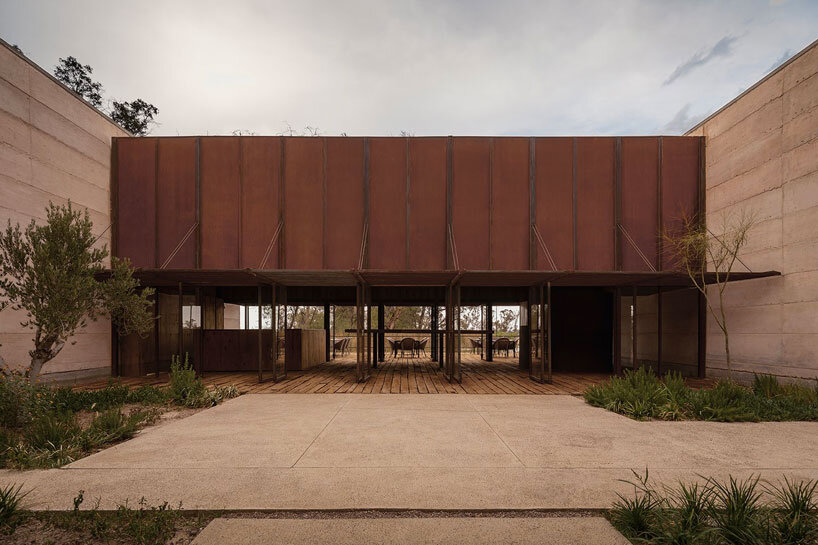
<point x="208" y="219"/>
<point x="762" y="157"/>
<point x="53" y="147"/>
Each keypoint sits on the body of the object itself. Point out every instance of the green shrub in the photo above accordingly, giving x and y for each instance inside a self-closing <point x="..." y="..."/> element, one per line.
<point x="730" y="512"/>
<point x="641" y="395"/>
<point x="185" y="387"/>
<point x="111" y="426"/>
<point x="52" y="432"/>
<point x="11" y="506"/>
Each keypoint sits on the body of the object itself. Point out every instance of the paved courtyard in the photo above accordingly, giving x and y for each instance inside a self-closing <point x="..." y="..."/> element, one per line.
<point x="264" y="452"/>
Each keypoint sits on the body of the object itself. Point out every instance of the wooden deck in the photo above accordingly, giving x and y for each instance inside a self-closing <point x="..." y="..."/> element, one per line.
<point x="396" y="376"/>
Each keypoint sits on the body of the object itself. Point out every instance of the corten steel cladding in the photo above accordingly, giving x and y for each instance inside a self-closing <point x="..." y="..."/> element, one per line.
<point x="640" y="194"/>
<point x="340" y="203"/>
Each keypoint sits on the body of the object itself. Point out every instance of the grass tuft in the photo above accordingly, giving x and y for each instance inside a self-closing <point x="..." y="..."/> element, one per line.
<point x="641" y="395"/>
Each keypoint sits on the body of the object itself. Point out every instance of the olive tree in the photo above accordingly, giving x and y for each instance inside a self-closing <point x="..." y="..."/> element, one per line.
<point x="697" y="251"/>
<point x="55" y="273"/>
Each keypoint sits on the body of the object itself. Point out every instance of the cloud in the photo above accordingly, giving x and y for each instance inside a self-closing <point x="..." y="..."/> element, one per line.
<point x="722" y="49"/>
<point x="682" y="121"/>
<point x="781" y="60"/>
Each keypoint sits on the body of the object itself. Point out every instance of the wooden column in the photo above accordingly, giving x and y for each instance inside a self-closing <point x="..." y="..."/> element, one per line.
<point x="659" y="331"/>
<point x="634" y="332"/>
<point x="433" y="341"/>
<point x="546" y="344"/>
<point x="381" y="334"/>
<point x="327" y="340"/>
<point x="200" y="340"/>
<point x="489" y="348"/>
<point x="260" y="339"/>
<point x="181" y="324"/>
<point x="702" y="335"/>
<point x="617" y="332"/>
<point x="156" y="333"/>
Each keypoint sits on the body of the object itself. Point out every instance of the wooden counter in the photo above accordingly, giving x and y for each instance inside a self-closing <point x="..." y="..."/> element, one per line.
<point x="304" y="348"/>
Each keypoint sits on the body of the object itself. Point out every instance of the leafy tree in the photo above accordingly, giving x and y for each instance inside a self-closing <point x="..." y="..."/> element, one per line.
<point x="77" y="77"/>
<point x="135" y="117"/>
<point x="698" y="250"/>
<point x="54" y="273"/>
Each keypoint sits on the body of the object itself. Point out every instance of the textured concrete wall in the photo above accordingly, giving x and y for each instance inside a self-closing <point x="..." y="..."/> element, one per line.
<point x="762" y="156"/>
<point x="53" y="147"/>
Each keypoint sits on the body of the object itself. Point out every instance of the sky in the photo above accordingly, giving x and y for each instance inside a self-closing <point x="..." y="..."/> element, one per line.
<point x="384" y="67"/>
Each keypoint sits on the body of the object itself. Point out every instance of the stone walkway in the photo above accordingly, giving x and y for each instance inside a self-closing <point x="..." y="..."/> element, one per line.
<point x="268" y="452"/>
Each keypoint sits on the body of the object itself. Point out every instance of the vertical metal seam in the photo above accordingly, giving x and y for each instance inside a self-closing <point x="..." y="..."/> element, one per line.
<point x="366" y="203"/>
<point x="618" y="261"/>
<point x="156" y="207"/>
<point x="198" y="201"/>
<point x="659" y="213"/>
<point x="574" y="204"/>
<point x="408" y="206"/>
<point x="324" y="203"/>
<point x="282" y="185"/>
<point x="532" y="202"/>
<point x="491" y="203"/>
<point x="449" y="196"/>
<point x="241" y="202"/>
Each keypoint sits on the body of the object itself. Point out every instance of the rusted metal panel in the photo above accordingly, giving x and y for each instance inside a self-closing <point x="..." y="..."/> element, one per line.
<point x="510" y="193"/>
<point x="176" y="203"/>
<point x="345" y="207"/>
<point x="471" y="196"/>
<point x="387" y="213"/>
<point x="220" y="179"/>
<point x="427" y="204"/>
<point x="260" y="187"/>
<point x="639" y="201"/>
<point x="136" y="200"/>
<point x="680" y="173"/>
<point x="554" y="206"/>
<point x="303" y="204"/>
<point x="595" y="204"/>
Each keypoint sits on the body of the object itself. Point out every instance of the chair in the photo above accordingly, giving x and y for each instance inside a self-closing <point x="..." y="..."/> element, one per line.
<point x="338" y="346"/>
<point x="503" y="344"/>
<point x="393" y="347"/>
<point x="476" y="345"/>
<point x="407" y="344"/>
<point x="420" y="346"/>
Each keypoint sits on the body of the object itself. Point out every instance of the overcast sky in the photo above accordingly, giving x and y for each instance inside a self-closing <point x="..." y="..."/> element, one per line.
<point x="382" y="67"/>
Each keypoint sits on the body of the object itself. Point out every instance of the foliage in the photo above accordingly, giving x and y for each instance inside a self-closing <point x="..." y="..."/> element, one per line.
<point x="50" y="271"/>
<point x="145" y="524"/>
<point x="11" y="506"/>
<point x="188" y="389"/>
<point x="77" y="77"/>
<point x="640" y="394"/>
<point x="696" y="249"/>
<point x="716" y="512"/>
<point x="135" y="117"/>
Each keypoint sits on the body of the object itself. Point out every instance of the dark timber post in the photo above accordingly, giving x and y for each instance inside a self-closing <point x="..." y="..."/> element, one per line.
<point x="326" y="331"/>
<point x="489" y="349"/>
<point x="617" y="332"/>
<point x="381" y="334"/>
<point x="200" y="341"/>
<point x="260" y="340"/>
<point x="333" y="331"/>
<point x="156" y="332"/>
<point x="546" y="348"/>
<point x="634" y="332"/>
<point x="433" y="339"/>
<point x="702" y="335"/>
<point x="181" y="324"/>
<point x="659" y="332"/>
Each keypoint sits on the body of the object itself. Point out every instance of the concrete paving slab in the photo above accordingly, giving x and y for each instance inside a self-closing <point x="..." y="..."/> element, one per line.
<point x="408" y="531"/>
<point x="408" y="438"/>
<point x="431" y="452"/>
<point x="249" y="431"/>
